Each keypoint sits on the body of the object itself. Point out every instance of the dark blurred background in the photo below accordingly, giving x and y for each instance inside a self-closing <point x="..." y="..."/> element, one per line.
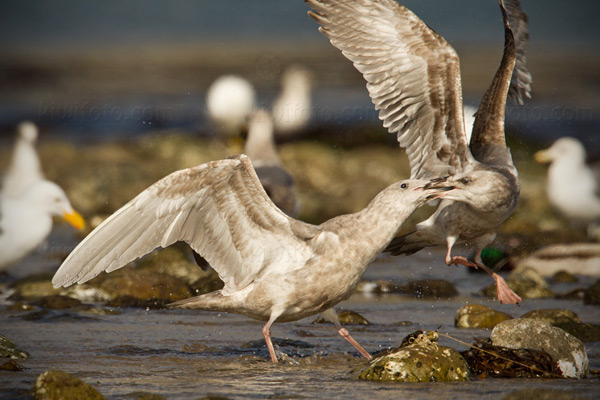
<point x="95" y="71"/>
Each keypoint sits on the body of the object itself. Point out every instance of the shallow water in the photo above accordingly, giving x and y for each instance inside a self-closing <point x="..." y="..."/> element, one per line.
<point x="191" y="354"/>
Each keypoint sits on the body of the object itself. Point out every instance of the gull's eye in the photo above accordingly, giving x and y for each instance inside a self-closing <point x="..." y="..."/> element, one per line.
<point x="465" y="181"/>
<point x="404" y="186"/>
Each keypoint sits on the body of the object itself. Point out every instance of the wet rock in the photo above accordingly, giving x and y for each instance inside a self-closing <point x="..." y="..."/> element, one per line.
<point x="53" y="384"/>
<point x="478" y="316"/>
<point x="207" y="283"/>
<point x="553" y="315"/>
<point x="563" y="277"/>
<point x="575" y="294"/>
<point x="346" y="317"/>
<point x="11" y="366"/>
<point x="33" y="288"/>
<point x="144" y="396"/>
<point x="430" y="288"/>
<point x="584" y="332"/>
<point x="592" y="294"/>
<point x="542" y="394"/>
<point x="142" y="284"/>
<point x="566" y="351"/>
<point x="58" y="302"/>
<point x="86" y="294"/>
<point x="421" y="360"/>
<point x="175" y="261"/>
<point x="8" y="349"/>
<point x="487" y="360"/>
<point x="526" y="282"/>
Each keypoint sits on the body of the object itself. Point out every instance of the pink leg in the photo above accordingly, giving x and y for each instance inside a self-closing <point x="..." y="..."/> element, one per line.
<point x="266" y="330"/>
<point x="331" y="315"/>
<point x="505" y="294"/>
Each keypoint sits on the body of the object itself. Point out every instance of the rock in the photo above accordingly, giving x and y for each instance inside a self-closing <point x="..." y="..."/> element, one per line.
<point x="144" y="396"/>
<point x="575" y="294"/>
<point x="430" y="288"/>
<point x="53" y="384"/>
<point x="8" y="349"/>
<point x="543" y="394"/>
<point x="142" y="284"/>
<point x="207" y="283"/>
<point x="553" y="315"/>
<point x="33" y="288"/>
<point x="86" y="293"/>
<point x="174" y="261"/>
<point x="526" y="282"/>
<point x="58" y="302"/>
<point x="592" y="294"/>
<point x="12" y="366"/>
<point x="346" y="317"/>
<point x="582" y="331"/>
<point x="563" y="277"/>
<point x="378" y="287"/>
<point x="525" y="333"/>
<point x="478" y="316"/>
<point x="421" y="360"/>
<point x="486" y="360"/>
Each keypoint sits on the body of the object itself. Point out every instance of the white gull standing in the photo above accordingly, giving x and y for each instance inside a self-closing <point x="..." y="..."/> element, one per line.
<point x="573" y="187"/>
<point x="413" y="78"/>
<point x="24" y="168"/>
<point x="292" y="108"/>
<point x="275" y="268"/>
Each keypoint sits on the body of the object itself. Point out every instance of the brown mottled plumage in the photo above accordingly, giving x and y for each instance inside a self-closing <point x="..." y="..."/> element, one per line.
<point x="275" y="268"/>
<point x="413" y="78"/>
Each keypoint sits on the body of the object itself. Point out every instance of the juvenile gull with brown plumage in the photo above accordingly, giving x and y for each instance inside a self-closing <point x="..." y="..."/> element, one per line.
<point x="275" y="268"/>
<point x="413" y="78"/>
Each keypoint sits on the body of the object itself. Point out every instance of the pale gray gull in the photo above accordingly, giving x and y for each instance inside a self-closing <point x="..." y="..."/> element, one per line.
<point x="292" y="108"/>
<point x="413" y="78"/>
<point x="275" y="268"/>
<point x="229" y="101"/>
<point x="24" y="168"/>
<point x="573" y="187"/>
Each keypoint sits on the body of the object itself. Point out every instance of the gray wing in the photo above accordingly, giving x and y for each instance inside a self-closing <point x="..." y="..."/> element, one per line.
<point x="520" y="83"/>
<point x="488" y="143"/>
<point x="412" y="74"/>
<point x="218" y="208"/>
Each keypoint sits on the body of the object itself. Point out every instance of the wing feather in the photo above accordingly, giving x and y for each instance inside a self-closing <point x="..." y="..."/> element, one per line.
<point x="218" y="208"/>
<point x="412" y="74"/>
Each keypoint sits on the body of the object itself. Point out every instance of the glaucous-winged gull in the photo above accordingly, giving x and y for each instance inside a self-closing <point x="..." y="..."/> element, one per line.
<point x="413" y="78"/>
<point x="292" y="108"/>
<point x="230" y="100"/>
<point x="275" y="268"/>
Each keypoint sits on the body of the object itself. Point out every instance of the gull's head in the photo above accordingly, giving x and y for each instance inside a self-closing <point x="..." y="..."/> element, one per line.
<point x="28" y="131"/>
<point x="51" y="199"/>
<point x="566" y="148"/>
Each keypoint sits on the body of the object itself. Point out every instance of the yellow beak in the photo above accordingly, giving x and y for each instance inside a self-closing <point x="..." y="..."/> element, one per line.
<point x="542" y="156"/>
<point x="75" y="219"/>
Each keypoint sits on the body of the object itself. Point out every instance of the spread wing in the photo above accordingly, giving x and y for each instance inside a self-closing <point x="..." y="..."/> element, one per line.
<point x="412" y="74"/>
<point x="218" y="208"/>
<point x="488" y="143"/>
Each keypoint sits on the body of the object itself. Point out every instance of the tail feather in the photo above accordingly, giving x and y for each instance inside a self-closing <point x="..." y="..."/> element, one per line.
<point x="213" y="301"/>
<point x="407" y="244"/>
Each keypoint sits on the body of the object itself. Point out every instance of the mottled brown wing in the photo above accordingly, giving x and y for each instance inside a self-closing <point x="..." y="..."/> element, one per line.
<point x="412" y="74"/>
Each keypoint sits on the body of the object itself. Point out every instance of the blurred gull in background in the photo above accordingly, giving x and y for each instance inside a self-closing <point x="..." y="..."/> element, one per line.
<point x="413" y="78"/>
<point x="229" y="101"/>
<point x="573" y="186"/>
<point x="292" y="108"/>
<point x="28" y="202"/>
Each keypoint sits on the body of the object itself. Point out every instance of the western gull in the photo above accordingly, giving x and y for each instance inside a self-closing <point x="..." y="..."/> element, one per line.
<point x="230" y="101"/>
<point x="28" y="201"/>
<point x="275" y="268"/>
<point x="292" y="108"/>
<point x="573" y="187"/>
<point x="413" y="78"/>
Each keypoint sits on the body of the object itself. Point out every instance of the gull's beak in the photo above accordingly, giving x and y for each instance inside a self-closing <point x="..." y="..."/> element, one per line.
<point x="75" y="219"/>
<point x="440" y="185"/>
<point x="542" y="156"/>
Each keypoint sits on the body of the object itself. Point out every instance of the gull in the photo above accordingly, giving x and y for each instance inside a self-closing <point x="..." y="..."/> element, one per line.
<point x="28" y="201"/>
<point x="413" y="78"/>
<point x="24" y="169"/>
<point x="292" y="108"/>
<point x="573" y="187"/>
<point x="229" y="101"/>
<point x="260" y="147"/>
<point x="274" y="267"/>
